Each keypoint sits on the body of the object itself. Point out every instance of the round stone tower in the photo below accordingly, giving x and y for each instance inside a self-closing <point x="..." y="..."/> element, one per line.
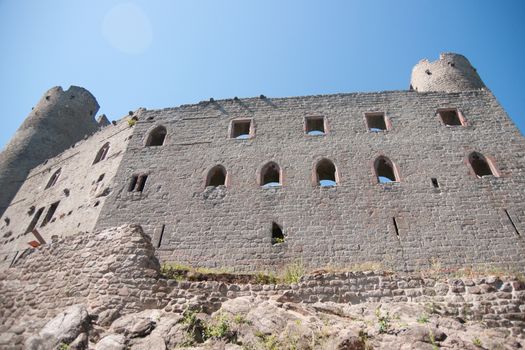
<point x="451" y="73"/>
<point x="59" y="120"/>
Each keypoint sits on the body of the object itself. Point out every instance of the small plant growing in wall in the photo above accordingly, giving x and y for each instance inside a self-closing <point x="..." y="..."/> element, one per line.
<point x="278" y="240"/>
<point x="63" y="346"/>
<point x="383" y="321"/>
<point x="423" y="318"/>
<point x="477" y="342"/>
<point x="132" y="122"/>
<point x="293" y="272"/>
<point x="432" y="338"/>
<point x="219" y="328"/>
<point x="194" y="328"/>
<point x="269" y="342"/>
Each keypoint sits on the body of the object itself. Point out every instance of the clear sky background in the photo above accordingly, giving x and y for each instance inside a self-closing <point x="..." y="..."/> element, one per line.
<point x="163" y="53"/>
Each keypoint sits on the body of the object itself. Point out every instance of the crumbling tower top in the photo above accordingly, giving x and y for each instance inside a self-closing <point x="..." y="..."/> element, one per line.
<point x="452" y="72"/>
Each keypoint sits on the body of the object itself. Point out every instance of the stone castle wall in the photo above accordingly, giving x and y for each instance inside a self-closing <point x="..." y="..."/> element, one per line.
<point x="467" y="220"/>
<point x="438" y="212"/>
<point x="115" y="273"/>
<point x="81" y="190"/>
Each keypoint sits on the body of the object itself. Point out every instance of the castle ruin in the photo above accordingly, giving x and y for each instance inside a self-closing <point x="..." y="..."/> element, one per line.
<point x="404" y="178"/>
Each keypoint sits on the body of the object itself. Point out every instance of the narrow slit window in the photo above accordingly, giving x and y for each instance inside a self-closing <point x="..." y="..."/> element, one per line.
<point x="512" y="222"/>
<point x="277" y="234"/>
<point x="50" y="212"/>
<point x="394" y="221"/>
<point x="450" y="117"/>
<point x="385" y="170"/>
<point x="326" y="173"/>
<point x="141" y="182"/>
<point x="159" y="243"/>
<point x="216" y="176"/>
<point x="35" y="219"/>
<point x="315" y="126"/>
<point x="241" y="129"/>
<point x="480" y="165"/>
<point x="271" y="175"/>
<point x="102" y="153"/>
<point x="376" y="122"/>
<point x="133" y="183"/>
<point x="53" y="179"/>
<point x="156" y="137"/>
<point x="435" y="182"/>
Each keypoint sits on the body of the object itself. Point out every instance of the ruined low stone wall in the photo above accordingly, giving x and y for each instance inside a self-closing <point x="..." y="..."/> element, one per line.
<point x="114" y="272"/>
<point x="499" y="302"/>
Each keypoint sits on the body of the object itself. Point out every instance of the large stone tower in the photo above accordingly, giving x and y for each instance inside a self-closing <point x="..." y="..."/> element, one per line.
<point x="59" y="120"/>
<point x="451" y="73"/>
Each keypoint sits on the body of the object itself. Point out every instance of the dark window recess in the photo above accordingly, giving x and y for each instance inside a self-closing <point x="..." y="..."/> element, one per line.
<point x="512" y="222"/>
<point x="480" y="164"/>
<point x="100" y="178"/>
<point x="325" y="171"/>
<point x="435" y="182"/>
<point x="157" y="136"/>
<point x="102" y="153"/>
<point x="271" y="175"/>
<point x="216" y="176"/>
<point x="141" y="182"/>
<point x="376" y="122"/>
<point x="133" y="183"/>
<point x="395" y="227"/>
<point x="241" y="129"/>
<point x="315" y="126"/>
<point x="450" y="117"/>
<point x="54" y="178"/>
<point x="159" y="243"/>
<point x="385" y="170"/>
<point x="35" y="219"/>
<point x="277" y="234"/>
<point x="50" y="213"/>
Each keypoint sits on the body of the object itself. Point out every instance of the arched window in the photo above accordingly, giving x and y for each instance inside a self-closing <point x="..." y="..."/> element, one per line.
<point x="271" y="175"/>
<point x="54" y="178"/>
<point x="325" y="173"/>
<point x="102" y="153"/>
<point x="385" y="170"/>
<point x="156" y="136"/>
<point x="216" y="176"/>
<point x="481" y="165"/>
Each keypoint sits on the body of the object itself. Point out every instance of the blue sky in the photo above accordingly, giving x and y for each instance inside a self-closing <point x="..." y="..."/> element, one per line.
<point x="163" y="53"/>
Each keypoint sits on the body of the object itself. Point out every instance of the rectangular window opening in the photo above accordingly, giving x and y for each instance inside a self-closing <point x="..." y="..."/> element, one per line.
<point x="35" y="219"/>
<point x="241" y="129"/>
<point x="512" y="222"/>
<point x="376" y="122"/>
<point x="315" y="126"/>
<point x="450" y="117"/>
<point x="133" y="183"/>
<point x="435" y="182"/>
<point x="395" y="226"/>
<point x="50" y="213"/>
<point x="141" y="182"/>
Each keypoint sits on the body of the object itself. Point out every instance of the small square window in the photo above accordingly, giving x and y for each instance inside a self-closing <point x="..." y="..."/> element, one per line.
<point x="315" y="126"/>
<point x="241" y="129"/>
<point x="376" y="122"/>
<point x="451" y="117"/>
